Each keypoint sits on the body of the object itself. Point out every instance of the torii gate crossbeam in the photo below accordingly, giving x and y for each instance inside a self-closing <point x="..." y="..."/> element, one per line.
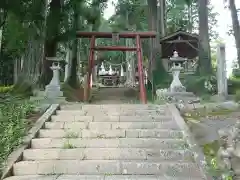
<point x="134" y="35"/>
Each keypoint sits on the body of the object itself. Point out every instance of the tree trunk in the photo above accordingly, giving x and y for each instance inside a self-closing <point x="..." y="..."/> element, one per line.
<point x="28" y="68"/>
<point x="152" y="25"/>
<point x="236" y="27"/>
<point x="29" y="72"/>
<point x="1" y="34"/>
<point x="53" y="22"/>
<point x="205" y="65"/>
<point x="190" y="19"/>
<point x="162" y="13"/>
<point x="73" y="79"/>
<point x="156" y="71"/>
<point x="68" y="64"/>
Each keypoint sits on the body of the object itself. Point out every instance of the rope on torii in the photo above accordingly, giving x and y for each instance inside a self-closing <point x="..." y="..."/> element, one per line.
<point x="102" y="70"/>
<point x="122" y="72"/>
<point x="111" y="71"/>
<point x="113" y="64"/>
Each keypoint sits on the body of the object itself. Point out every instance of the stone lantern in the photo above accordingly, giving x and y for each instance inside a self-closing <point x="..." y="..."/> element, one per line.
<point x="53" y="89"/>
<point x="176" y="62"/>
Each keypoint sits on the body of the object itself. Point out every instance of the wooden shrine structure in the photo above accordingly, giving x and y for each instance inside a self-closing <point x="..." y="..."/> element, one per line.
<point x="116" y="36"/>
<point x="186" y="44"/>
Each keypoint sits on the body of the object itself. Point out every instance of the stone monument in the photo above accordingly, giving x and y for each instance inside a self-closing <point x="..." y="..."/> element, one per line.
<point x="221" y="73"/>
<point x="53" y="89"/>
<point x="176" y="85"/>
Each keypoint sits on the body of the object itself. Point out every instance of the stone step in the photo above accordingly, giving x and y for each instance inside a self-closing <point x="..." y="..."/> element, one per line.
<point x="70" y="143"/>
<point x="104" y="118"/>
<point x="87" y="107"/>
<point x="111" y="125"/>
<point x="107" y="154"/>
<point x="109" y="133"/>
<point x="112" y="112"/>
<point x="103" y="167"/>
<point x="95" y="177"/>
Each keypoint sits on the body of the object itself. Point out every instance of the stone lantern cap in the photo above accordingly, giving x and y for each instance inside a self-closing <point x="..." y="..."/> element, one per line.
<point x="176" y="58"/>
<point x="56" y="59"/>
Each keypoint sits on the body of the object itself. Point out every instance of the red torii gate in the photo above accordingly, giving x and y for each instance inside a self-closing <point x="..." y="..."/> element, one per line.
<point x="134" y="35"/>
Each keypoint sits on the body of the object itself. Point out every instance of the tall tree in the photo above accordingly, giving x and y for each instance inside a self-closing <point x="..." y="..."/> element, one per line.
<point x="205" y="66"/>
<point x="156" y="72"/>
<point x="51" y="43"/>
<point x="235" y="25"/>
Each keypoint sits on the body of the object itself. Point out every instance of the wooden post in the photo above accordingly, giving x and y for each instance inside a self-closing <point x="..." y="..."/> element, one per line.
<point x="140" y="71"/>
<point x="90" y="66"/>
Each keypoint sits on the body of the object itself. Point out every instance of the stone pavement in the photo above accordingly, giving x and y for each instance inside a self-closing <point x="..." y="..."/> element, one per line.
<point x="118" y="95"/>
<point x="109" y="142"/>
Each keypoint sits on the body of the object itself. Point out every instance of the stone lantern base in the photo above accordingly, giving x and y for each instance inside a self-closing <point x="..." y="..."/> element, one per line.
<point x="53" y="91"/>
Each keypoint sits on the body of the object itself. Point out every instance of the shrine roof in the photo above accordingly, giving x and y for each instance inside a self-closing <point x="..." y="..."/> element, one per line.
<point x="186" y="44"/>
<point x="180" y="35"/>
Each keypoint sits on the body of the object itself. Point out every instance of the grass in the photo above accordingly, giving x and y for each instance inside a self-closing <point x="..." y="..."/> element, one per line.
<point x="13" y="125"/>
<point x="199" y="114"/>
<point x="210" y="150"/>
<point x="68" y="145"/>
<point x="206" y="98"/>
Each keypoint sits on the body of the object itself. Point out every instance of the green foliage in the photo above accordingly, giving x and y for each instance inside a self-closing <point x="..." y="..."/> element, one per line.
<point x="160" y="76"/>
<point x="22" y="88"/>
<point x="14" y="36"/>
<point x="237" y="96"/>
<point x="210" y="152"/>
<point x="196" y="84"/>
<point x="233" y="85"/>
<point x="185" y="17"/>
<point x="6" y="69"/>
<point x="72" y="94"/>
<point x="5" y="89"/>
<point x="13" y="125"/>
<point x="236" y="73"/>
<point x="234" y="81"/>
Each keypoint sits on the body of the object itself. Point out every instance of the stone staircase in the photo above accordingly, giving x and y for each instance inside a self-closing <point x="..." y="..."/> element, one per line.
<point x="108" y="142"/>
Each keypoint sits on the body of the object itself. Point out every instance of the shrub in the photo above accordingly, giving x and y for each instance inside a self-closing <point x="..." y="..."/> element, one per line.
<point x="13" y="125"/>
<point x="201" y="85"/>
<point x="72" y="94"/>
<point x="236" y="73"/>
<point x="5" y="89"/>
<point x="22" y="88"/>
<point x="233" y="85"/>
<point x="237" y="96"/>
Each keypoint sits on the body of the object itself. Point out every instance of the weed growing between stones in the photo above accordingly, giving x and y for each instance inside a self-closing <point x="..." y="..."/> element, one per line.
<point x="68" y="145"/>
<point x="13" y="125"/>
<point x="71" y="135"/>
<point x="205" y="113"/>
